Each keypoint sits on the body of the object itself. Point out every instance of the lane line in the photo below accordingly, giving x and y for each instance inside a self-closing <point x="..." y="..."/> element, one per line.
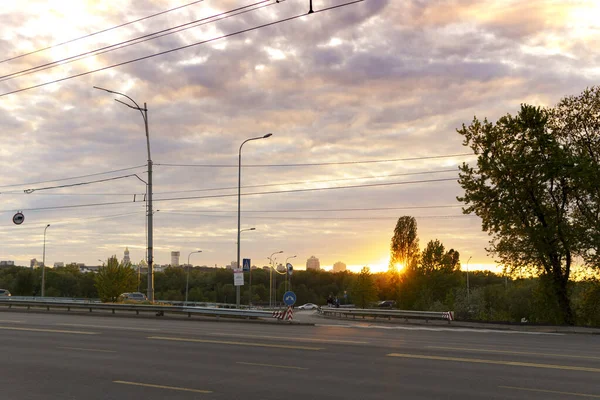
<point x="594" y="396"/>
<point x="496" y="362"/>
<point x="110" y="327"/>
<point x="11" y="321"/>
<point x="11" y="328"/>
<point x="181" y="389"/>
<point x="512" y="352"/>
<point x="277" y="346"/>
<point x="84" y="349"/>
<point x="439" y="329"/>
<point x="300" y="339"/>
<point x="271" y="365"/>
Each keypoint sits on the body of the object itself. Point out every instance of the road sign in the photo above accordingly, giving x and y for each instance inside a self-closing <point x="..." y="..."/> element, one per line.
<point x="246" y="264"/>
<point x="290" y="268"/>
<point x="18" y="218"/>
<point x="238" y="277"/>
<point x="289" y="298"/>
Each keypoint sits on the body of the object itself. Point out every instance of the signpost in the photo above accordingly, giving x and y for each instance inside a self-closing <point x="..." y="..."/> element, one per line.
<point x="289" y="298"/>
<point x="246" y="264"/>
<point x="238" y="277"/>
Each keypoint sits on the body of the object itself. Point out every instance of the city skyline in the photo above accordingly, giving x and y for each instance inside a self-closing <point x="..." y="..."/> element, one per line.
<point x="375" y="81"/>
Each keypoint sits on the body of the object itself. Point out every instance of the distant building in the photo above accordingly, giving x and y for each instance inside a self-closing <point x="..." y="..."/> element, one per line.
<point x="59" y="264"/>
<point x="126" y="259"/>
<point x="339" y="267"/>
<point x="33" y="263"/>
<point x="175" y="258"/>
<point x="266" y="267"/>
<point x="281" y="268"/>
<point x="313" y="263"/>
<point x="233" y="265"/>
<point x="7" y="263"/>
<point x="84" y="269"/>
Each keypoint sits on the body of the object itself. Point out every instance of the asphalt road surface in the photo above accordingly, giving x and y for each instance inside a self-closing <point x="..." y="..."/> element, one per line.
<point x="50" y="356"/>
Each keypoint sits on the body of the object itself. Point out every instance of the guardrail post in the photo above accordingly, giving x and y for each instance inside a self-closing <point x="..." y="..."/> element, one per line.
<point x="113" y="310"/>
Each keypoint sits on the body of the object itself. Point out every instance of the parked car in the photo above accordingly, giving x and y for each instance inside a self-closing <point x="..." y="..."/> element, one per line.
<point x="308" y="306"/>
<point x="387" y="304"/>
<point x="135" y="296"/>
<point x="4" y="293"/>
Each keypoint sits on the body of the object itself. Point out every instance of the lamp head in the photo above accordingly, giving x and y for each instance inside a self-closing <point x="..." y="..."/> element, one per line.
<point x="267" y="135"/>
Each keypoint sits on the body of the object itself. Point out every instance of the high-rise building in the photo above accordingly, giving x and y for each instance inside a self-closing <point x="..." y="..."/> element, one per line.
<point x="313" y="263"/>
<point x="59" y="264"/>
<point x="126" y="258"/>
<point x="281" y="268"/>
<point x="339" y="267"/>
<point x="33" y="263"/>
<point x="175" y="258"/>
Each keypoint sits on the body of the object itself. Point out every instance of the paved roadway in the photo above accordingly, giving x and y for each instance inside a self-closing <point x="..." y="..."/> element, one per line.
<point x="58" y="356"/>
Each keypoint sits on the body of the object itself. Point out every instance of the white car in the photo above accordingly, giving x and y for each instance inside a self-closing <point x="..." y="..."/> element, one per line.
<point x="308" y="306"/>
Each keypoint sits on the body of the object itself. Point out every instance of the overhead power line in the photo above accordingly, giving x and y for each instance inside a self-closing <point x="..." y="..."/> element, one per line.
<point x="315" y="164"/>
<point x="243" y="194"/>
<point x="309" y="210"/>
<point x="260" y="217"/>
<point x="99" y="32"/>
<point x="135" y="41"/>
<point x="72" y="177"/>
<point x="247" y="186"/>
<point x="181" y="47"/>
<point x="82" y="183"/>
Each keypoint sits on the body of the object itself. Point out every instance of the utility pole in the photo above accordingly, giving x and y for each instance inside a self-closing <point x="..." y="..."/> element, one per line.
<point x="149" y="212"/>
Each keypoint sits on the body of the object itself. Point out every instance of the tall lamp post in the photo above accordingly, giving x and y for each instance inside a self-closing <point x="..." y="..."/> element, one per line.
<point x="187" y="280"/>
<point x="271" y="276"/>
<point x="288" y="280"/>
<point x="468" y="289"/>
<point x="249" y="272"/>
<point x="44" y="264"/>
<point x="237" y="288"/>
<point x="149" y="213"/>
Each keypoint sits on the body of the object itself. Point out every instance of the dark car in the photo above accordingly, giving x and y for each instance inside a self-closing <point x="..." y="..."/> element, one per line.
<point x="135" y="296"/>
<point x="387" y="304"/>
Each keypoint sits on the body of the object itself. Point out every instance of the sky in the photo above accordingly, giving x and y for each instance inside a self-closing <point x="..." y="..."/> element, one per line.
<point x="384" y="81"/>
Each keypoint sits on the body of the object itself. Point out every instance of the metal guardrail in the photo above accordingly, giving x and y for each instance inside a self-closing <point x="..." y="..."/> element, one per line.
<point x="50" y="299"/>
<point x="158" y="310"/>
<point x="386" y="314"/>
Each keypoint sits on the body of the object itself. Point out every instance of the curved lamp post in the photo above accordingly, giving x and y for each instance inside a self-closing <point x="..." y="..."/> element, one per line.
<point x="149" y="213"/>
<point x="288" y="283"/>
<point x="237" y="288"/>
<point x="187" y="280"/>
<point x="44" y="263"/>
<point x="271" y="276"/>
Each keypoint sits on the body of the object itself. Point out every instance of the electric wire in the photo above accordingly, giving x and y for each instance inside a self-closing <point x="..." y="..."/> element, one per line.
<point x="72" y="177"/>
<point x="180" y="48"/>
<point x="135" y="41"/>
<point x="317" y="163"/>
<point x="99" y="32"/>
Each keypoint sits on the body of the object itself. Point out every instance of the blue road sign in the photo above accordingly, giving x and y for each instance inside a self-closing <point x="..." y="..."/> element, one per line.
<point x="246" y="264"/>
<point x="289" y="298"/>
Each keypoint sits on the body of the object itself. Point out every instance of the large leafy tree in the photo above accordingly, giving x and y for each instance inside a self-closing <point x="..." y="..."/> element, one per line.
<point x="576" y="122"/>
<point x="522" y="190"/>
<point x="404" y="248"/>
<point x="115" y="278"/>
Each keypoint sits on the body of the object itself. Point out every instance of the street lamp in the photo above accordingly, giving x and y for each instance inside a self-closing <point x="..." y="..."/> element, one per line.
<point x="237" y="288"/>
<point x="288" y="283"/>
<point x="44" y="264"/>
<point x="468" y="290"/>
<point x="271" y="276"/>
<point x="187" y="281"/>
<point x="149" y="213"/>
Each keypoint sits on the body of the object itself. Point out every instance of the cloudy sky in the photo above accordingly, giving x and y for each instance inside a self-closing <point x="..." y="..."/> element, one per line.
<point x="379" y="80"/>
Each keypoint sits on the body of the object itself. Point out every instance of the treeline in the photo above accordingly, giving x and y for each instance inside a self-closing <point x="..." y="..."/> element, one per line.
<point x="492" y="297"/>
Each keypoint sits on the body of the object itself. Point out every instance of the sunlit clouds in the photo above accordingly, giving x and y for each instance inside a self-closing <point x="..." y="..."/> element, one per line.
<point x="380" y="80"/>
